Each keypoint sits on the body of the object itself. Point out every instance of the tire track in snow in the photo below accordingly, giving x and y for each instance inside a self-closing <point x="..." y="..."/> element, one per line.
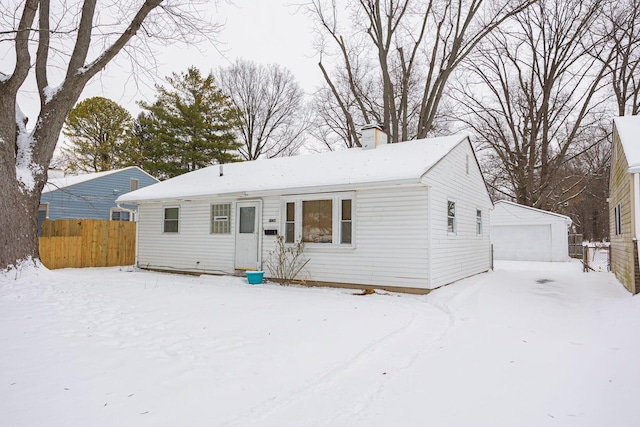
<point x="371" y="366"/>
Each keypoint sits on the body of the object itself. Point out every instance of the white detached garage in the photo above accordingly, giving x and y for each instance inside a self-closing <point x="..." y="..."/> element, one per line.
<point x="523" y="233"/>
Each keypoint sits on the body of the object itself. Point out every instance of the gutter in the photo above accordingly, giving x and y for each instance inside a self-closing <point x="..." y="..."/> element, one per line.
<point x="282" y="191"/>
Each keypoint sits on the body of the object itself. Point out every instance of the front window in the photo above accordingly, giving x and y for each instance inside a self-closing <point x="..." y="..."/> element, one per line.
<point x="317" y="221"/>
<point x="345" y="222"/>
<point x="171" y="219"/>
<point x="478" y="222"/>
<point x="325" y="220"/>
<point x="221" y="218"/>
<point x="451" y="217"/>
<point x="290" y="223"/>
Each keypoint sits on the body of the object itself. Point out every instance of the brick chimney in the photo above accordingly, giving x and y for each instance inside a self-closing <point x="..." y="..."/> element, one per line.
<point x="372" y="135"/>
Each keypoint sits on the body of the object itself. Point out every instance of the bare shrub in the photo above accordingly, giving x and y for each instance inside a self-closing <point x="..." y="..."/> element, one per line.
<point x="286" y="261"/>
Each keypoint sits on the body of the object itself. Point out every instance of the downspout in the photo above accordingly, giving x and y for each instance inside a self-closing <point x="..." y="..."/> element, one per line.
<point x="429" y="238"/>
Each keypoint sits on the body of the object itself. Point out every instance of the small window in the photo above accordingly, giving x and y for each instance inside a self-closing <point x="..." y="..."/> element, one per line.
<point x="317" y="221"/>
<point x="290" y="224"/>
<point x="345" y="222"/>
<point x="43" y="214"/>
<point x="134" y="184"/>
<point x="247" y="220"/>
<point x="120" y="215"/>
<point x="451" y="217"/>
<point x="478" y="222"/>
<point x="171" y="219"/>
<point x="617" y="215"/>
<point x="221" y="218"/>
<point x="467" y="164"/>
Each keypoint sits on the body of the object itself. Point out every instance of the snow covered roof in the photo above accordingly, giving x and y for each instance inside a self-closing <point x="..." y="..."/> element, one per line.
<point x="404" y="162"/>
<point x="56" y="182"/>
<point x="540" y="211"/>
<point x="628" y="128"/>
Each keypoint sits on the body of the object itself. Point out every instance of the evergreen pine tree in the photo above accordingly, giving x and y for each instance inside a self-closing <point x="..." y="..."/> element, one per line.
<point x="188" y="127"/>
<point x="98" y="130"/>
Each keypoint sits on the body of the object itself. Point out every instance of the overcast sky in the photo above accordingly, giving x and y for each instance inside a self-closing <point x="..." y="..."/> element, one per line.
<point x="271" y="31"/>
<point x="258" y="30"/>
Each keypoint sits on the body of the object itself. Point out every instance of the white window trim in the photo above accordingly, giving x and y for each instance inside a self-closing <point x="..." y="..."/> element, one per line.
<point x="131" y="181"/>
<point x="617" y="214"/>
<point x="212" y="219"/>
<point x="336" y="219"/>
<point x="481" y="222"/>
<point x="164" y="219"/>
<point x="455" y="217"/>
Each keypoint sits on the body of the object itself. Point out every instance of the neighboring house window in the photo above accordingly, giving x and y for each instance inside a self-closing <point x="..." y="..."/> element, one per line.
<point x="221" y="218"/>
<point x="478" y="222"/>
<point x="134" y="184"/>
<point x="171" y="219"/>
<point x="43" y="214"/>
<point x="345" y="222"/>
<point x="120" y="215"/>
<point x="328" y="220"/>
<point x="467" y="164"/>
<point x="290" y="222"/>
<point x="317" y="221"/>
<point x="617" y="214"/>
<point x="451" y="217"/>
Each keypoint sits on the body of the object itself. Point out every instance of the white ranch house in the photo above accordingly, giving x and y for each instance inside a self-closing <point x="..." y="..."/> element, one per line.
<point x="412" y="215"/>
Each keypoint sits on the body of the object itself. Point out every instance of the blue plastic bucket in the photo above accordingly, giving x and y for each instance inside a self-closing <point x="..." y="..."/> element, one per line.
<point x="255" y="277"/>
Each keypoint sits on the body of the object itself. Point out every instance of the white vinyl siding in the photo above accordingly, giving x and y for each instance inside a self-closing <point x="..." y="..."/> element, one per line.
<point x="461" y="255"/>
<point x="389" y="240"/>
<point x="193" y="249"/>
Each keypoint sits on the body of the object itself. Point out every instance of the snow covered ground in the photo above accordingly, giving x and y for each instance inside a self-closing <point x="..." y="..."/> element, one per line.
<point x="530" y="344"/>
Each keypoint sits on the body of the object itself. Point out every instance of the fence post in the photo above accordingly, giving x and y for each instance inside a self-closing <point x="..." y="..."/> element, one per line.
<point x="585" y="259"/>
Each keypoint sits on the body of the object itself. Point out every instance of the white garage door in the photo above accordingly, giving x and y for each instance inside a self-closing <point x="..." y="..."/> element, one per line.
<point x="521" y="242"/>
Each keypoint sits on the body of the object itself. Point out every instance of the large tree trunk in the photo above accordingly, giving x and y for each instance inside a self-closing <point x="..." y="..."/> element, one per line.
<point x="25" y="154"/>
<point x="18" y="221"/>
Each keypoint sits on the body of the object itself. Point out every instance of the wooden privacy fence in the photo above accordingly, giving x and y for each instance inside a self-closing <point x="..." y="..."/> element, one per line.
<point x="87" y="243"/>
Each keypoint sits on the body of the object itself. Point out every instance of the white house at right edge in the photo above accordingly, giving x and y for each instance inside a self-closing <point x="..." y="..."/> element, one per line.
<point x="407" y="216"/>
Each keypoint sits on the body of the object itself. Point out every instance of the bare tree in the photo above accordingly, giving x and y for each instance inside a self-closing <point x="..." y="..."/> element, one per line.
<point x="72" y="44"/>
<point x="589" y="173"/>
<point x="396" y="57"/>
<point x="271" y="105"/>
<point x="621" y="23"/>
<point x="534" y="100"/>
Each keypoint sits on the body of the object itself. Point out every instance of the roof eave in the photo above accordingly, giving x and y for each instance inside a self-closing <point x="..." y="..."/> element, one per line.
<point x="280" y="191"/>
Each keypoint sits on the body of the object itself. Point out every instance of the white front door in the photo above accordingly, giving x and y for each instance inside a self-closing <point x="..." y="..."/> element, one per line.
<point x="247" y="235"/>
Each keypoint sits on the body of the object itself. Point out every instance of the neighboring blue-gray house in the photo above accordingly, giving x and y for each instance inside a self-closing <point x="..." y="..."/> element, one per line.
<point x="91" y="195"/>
